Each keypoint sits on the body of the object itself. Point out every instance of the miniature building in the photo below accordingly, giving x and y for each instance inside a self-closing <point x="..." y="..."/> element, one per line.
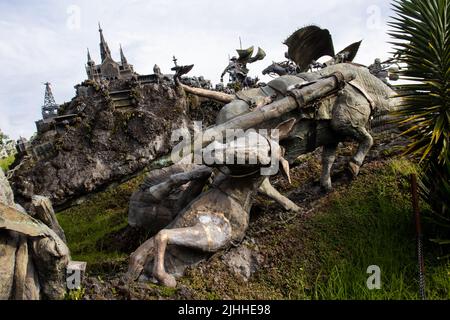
<point x="22" y="146"/>
<point x="50" y="108"/>
<point x="108" y="69"/>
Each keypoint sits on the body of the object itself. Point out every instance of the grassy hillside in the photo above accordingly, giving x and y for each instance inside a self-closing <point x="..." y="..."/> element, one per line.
<point x="325" y="253"/>
<point x="322" y="253"/>
<point x="91" y="227"/>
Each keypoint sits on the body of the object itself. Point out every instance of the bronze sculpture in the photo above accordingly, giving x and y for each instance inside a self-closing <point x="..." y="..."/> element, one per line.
<point x="310" y="109"/>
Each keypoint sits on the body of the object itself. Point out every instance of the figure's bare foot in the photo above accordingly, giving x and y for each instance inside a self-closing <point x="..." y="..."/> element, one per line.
<point x="165" y="279"/>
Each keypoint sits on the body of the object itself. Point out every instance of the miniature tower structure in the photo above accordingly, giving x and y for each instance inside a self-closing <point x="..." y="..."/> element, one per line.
<point x="50" y="108"/>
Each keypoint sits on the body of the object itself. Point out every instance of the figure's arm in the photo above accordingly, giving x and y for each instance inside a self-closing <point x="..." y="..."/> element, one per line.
<point x="224" y="72"/>
<point x="162" y="190"/>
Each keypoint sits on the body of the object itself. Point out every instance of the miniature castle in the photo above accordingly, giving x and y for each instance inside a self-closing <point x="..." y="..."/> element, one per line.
<point x="108" y="69"/>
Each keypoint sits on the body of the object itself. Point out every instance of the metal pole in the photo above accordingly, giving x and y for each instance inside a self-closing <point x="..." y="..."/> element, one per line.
<point x="419" y="236"/>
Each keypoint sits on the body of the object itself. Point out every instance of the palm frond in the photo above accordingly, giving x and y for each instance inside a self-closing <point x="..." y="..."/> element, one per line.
<point x="421" y="35"/>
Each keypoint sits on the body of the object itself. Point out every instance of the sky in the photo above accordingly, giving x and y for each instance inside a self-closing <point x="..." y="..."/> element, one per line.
<point x="47" y="40"/>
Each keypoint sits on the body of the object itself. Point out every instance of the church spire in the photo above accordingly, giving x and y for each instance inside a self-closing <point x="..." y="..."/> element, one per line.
<point x="89" y="59"/>
<point x="104" y="49"/>
<point x="122" y="57"/>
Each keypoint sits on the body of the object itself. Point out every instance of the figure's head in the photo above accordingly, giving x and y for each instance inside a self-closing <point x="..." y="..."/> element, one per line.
<point x="233" y="58"/>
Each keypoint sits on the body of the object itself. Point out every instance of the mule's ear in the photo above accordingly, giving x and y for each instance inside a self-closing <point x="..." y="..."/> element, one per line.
<point x="285" y="128"/>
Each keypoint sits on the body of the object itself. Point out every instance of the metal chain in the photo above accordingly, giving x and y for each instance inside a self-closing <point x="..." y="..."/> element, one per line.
<point x="421" y="267"/>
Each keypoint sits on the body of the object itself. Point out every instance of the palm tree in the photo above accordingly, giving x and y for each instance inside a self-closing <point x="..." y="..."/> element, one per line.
<point x="421" y="33"/>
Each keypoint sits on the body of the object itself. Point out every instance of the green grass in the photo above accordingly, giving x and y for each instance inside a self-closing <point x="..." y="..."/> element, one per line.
<point x="369" y="223"/>
<point x="88" y="225"/>
<point x="6" y="162"/>
<point x="326" y="255"/>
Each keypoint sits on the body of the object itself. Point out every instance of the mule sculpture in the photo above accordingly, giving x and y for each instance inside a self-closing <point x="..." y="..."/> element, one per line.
<point x="339" y="117"/>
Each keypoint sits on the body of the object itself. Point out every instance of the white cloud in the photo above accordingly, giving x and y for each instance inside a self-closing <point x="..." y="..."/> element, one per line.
<point x="39" y="42"/>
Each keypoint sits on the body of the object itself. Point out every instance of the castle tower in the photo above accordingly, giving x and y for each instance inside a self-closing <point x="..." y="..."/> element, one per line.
<point x="90" y="62"/>
<point x="108" y="69"/>
<point x="91" y="69"/>
<point x="50" y="108"/>
<point x="104" y="49"/>
<point x="122" y="57"/>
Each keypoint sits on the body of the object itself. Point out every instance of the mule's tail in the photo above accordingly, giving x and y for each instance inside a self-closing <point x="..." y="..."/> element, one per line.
<point x="387" y="120"/>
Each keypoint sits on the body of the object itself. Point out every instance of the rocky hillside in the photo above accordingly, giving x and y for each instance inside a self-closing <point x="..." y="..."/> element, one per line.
<point x="105" y="134"/>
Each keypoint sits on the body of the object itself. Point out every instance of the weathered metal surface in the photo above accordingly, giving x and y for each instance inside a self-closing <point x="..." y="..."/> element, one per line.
<point x="43" y="210"/>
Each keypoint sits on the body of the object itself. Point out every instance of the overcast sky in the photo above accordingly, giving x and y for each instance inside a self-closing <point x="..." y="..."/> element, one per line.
<point x="47" y="40"/>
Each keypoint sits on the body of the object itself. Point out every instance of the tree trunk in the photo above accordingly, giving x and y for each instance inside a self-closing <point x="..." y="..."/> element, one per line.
<point x="214" y="95"/>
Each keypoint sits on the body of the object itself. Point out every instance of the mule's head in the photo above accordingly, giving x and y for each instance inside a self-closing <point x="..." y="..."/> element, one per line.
<point x="270" y="69"/>
<point x="251" y="151"/>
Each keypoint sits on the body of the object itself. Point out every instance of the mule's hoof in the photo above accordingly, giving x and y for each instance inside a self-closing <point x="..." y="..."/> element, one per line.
<point x="293" y="208"/>
<point x="133" y="273"/>
<point x="326" y="189"/>
<point x="325" y="185"/>
<point x="166" y="279"/>
<point x="353" y="168"/>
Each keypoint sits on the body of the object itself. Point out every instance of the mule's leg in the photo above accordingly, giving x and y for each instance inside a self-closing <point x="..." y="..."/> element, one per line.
<point x="365" y="143"/>
<point x="267" y="189"/>
<point x="328" y="158"/>
<point x="209" y="236"/>
<point x="350" y="116"/>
